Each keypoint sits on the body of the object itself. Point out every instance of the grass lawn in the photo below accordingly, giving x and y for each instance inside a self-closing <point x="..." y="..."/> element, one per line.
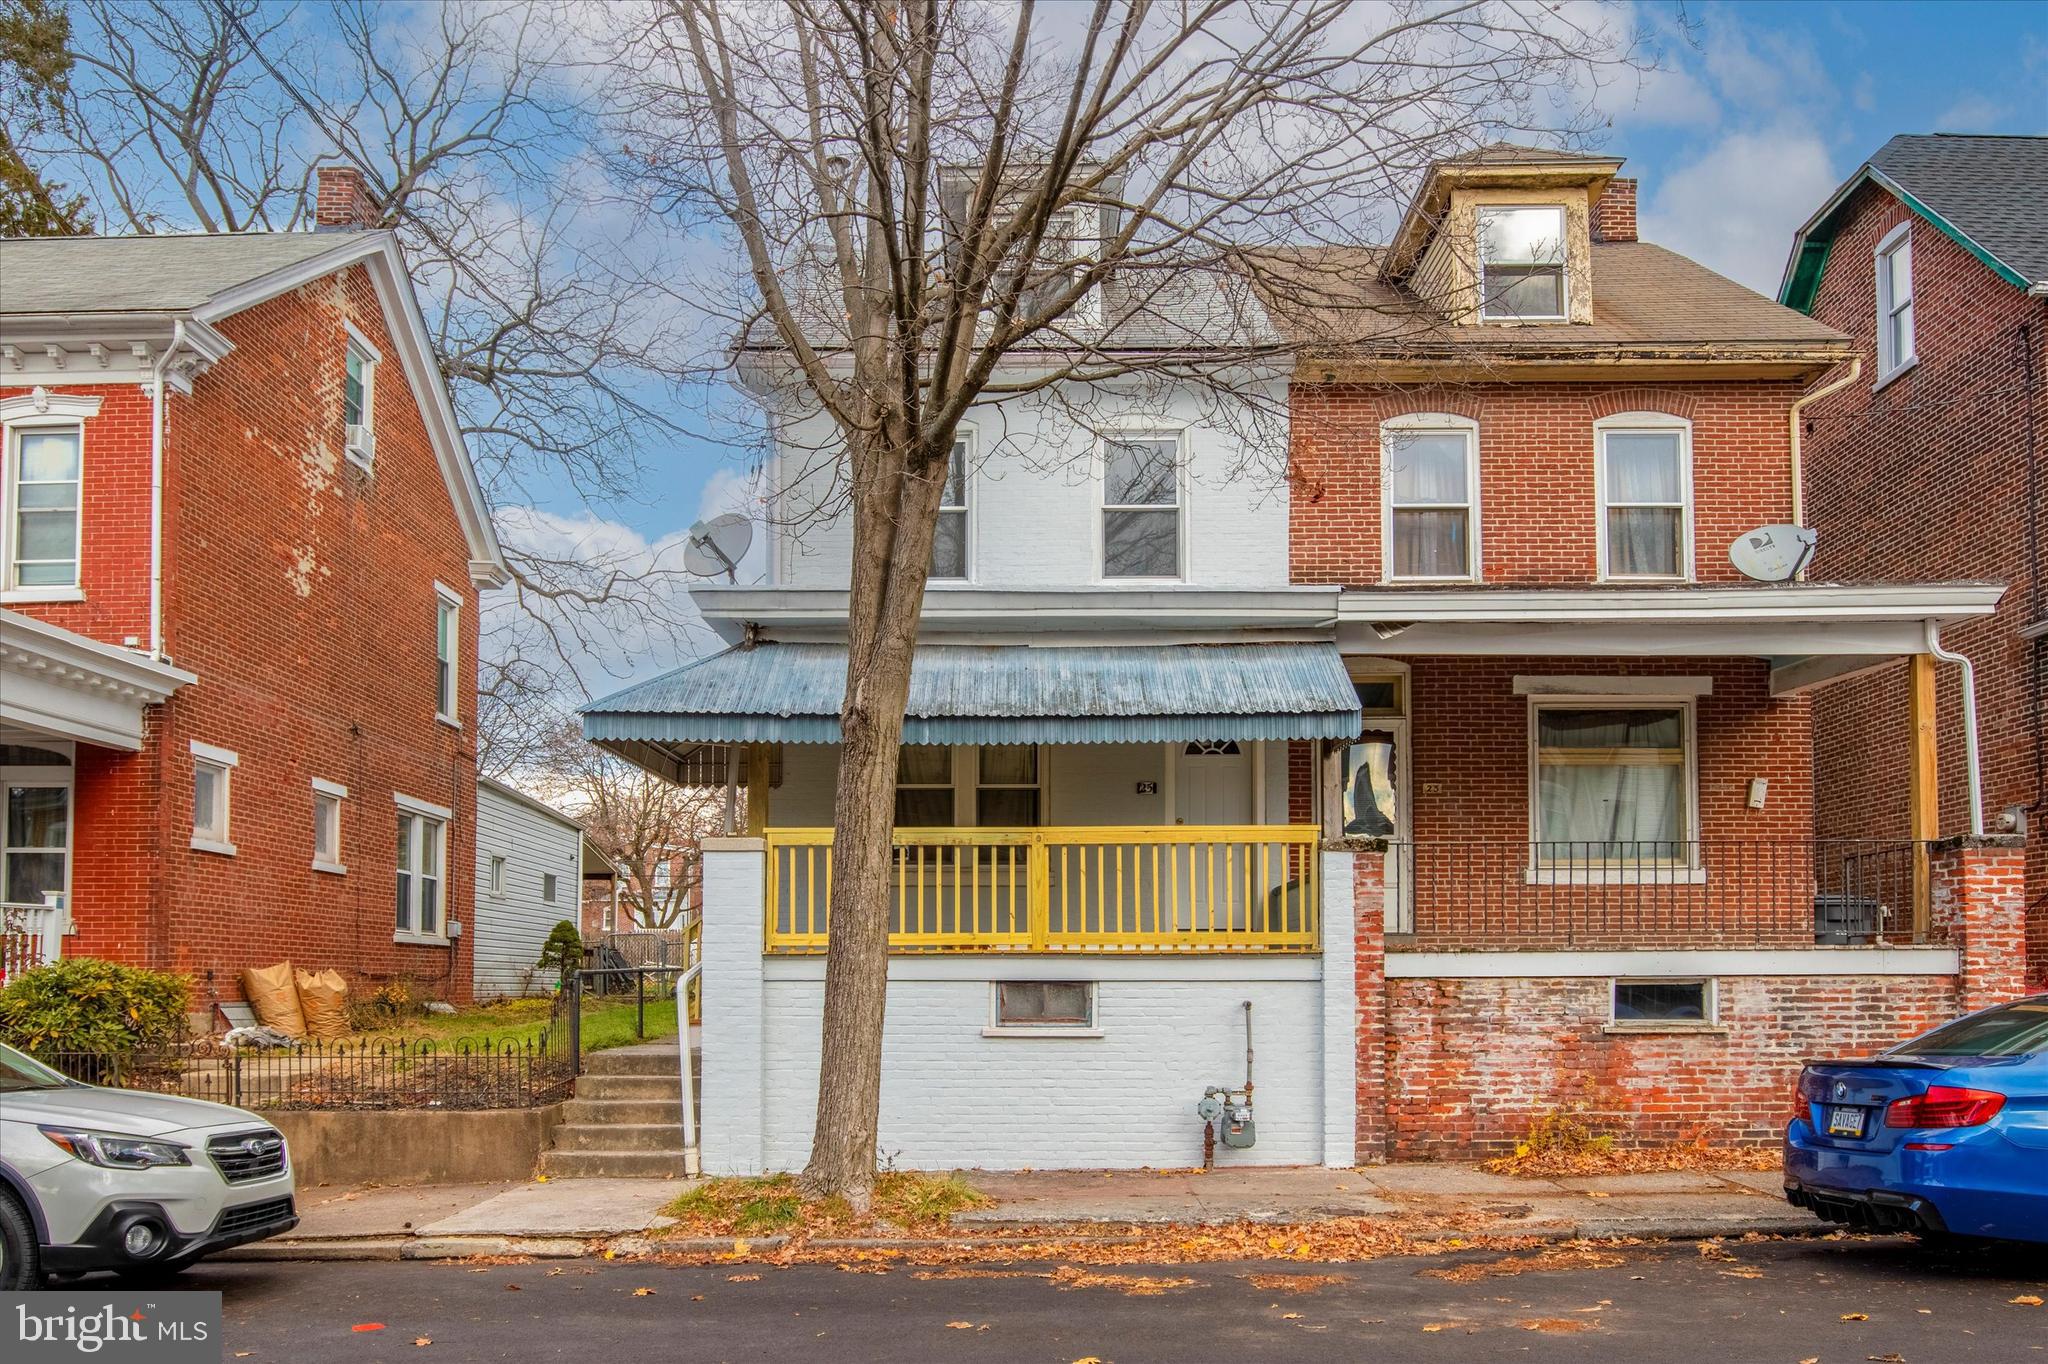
<point x="606" y="1023"/>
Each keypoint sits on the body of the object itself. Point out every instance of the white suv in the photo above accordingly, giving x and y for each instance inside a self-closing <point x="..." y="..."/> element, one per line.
<point x="95" y="1178"/>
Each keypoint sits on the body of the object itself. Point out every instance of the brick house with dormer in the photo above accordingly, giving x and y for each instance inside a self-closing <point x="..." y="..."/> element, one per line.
<point x="242" y="545"/>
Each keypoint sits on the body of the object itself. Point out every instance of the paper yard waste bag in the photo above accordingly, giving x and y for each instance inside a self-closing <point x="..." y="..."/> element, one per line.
<point x="275" y="998"/>
<point x="323" y="998"/>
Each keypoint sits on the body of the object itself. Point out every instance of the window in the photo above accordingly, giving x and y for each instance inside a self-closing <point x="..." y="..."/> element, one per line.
<point x="1521" y="264"/>
<point x="1063" y="253"/>
<point x="547" y="887"/>
<point x="1432" y="491"/>
<point x="358" y="391"/>
<point x="1006" y="790"/>
<point x="949" y="541"/>
<point x="664" y="877"/>
<point x="1659" y="1002"/>
<point x="327" y="799"/>
<point x="1043" y="1006"/>
<point x="924" y="787"/>
<point x="1895" y="301"/>
<point x="497" y="880"/>
<point x="212" y="778"/>
<point x="422" y="848"/>
<point x="1645" y="478"/>
<point x="447" y="648"/>
<point x="1613" y="784"/>
<point x="1141" y="507"/>
<point x="43" y="537"/>
<point x="35" y="825"/>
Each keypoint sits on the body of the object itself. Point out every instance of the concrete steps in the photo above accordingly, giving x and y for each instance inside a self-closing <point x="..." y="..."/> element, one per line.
<point x="623" y="1122"/>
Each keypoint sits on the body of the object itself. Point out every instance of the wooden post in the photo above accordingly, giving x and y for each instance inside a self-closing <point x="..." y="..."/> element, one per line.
<point x="1925" y="790"/>
<point x="1330" y="780"/>
<point x="757" y="789"/>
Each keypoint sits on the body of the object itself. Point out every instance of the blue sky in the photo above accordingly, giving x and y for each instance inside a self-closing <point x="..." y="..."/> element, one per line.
<point x="1762" y="109"/>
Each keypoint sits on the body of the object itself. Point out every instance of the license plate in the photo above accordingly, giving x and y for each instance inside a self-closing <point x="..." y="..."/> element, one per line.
<point x="1845" y="1121"/>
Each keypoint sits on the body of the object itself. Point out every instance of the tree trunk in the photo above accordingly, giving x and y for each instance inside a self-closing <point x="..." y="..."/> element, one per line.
<point x="893" y="527"/>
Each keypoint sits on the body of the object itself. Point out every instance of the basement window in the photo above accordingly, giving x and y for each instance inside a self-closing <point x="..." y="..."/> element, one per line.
<point x="1663" y="1005"/>
<point x="1042" y="1008"/>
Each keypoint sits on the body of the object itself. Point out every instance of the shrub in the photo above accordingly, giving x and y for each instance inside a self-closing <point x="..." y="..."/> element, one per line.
<point x="562" y="952"/>
<point x="394" y="1001"/>
<point x="86" y="1004"/>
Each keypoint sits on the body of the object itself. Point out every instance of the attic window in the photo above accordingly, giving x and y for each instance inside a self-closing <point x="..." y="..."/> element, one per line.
<point x="1521" y="264"/>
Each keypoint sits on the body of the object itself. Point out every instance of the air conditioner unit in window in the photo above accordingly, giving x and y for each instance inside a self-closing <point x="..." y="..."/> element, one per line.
<point x="362" y="443"/>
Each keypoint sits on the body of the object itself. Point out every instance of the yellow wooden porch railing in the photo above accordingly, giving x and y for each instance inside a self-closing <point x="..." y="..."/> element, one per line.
<point x="1237" y="888"/>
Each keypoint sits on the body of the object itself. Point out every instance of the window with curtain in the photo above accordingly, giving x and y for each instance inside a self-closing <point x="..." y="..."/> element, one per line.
<point x="1644" y="482"/>
<point x="924" y="787"/>
<point x="1430" y="484"/>
<point x="44" y="539"/>
<point x="1521" y="263"/>
<point x="1006" y="788"/>
<point x="949" y="540"/>
<point x="1141" y="507"/>
<point x="1611" y="784"/>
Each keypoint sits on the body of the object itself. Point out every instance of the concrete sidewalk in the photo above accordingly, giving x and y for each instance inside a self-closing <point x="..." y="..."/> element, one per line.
<point x="575" y="1217"/>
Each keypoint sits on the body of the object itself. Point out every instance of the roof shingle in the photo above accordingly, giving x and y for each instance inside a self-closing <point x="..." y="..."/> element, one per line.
<point x="1992" y="189"/>
<point x="164" y="273"/>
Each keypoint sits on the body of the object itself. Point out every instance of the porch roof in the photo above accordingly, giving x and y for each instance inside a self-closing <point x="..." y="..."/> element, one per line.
<point x="57" y="682"/>
<point x="782" y="692"/>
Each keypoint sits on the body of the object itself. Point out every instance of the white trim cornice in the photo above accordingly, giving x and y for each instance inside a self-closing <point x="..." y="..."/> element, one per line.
<point x="62" y="683"/>
<point x="40" y="404"/>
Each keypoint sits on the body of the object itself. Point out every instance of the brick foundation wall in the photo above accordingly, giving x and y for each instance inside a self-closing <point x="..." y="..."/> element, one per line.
<point x="1925" y="480"/>
<point x="1539" y="511"/>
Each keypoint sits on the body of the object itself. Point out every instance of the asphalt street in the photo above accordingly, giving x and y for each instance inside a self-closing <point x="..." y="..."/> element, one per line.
<point x="1784" y="1302"/>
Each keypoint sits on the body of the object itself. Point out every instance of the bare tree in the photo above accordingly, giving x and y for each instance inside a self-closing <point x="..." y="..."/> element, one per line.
<point x="472" y="127"/>
<point x="939" y="206"/>
<point x="641" y="823"/>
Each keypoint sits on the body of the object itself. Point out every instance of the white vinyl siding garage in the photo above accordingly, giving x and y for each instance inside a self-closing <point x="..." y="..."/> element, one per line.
<point x="536" y="849"/>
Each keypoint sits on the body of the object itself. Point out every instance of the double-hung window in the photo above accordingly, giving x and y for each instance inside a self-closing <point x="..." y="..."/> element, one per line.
<point x="327" y="799"/>
<point x="1613" y="784"/>
<point x="1002" y="785"/>
<point x="1141" y="529"/>
<point x="358" y="393"/>
<point x="1645" y="478"/>
<point x="447" y="650"/>
<point x="422" y="854"/>
<point x="950" y="545"/>
<point x="1431" y="473"/>
<point x="212" y="790"/>
<point x="43" y="497"/>
<point x="1895" y="301"/>
<point x="924" y="787"/>
<point x="1521" y="264"/>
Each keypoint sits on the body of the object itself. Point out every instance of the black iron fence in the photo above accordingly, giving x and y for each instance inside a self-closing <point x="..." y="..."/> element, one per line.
<point x="1737" y="892"/>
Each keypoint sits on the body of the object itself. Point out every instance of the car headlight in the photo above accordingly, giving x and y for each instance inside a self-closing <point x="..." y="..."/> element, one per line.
<point x="116" y="1152"/>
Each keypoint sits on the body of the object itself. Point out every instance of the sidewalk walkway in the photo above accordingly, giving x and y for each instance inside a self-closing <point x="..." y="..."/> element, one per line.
<point x="574" y="1217"/>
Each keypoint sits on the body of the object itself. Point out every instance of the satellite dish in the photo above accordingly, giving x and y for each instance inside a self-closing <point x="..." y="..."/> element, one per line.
<point x="716" y="546"/>
<point x="1773" y="554"/>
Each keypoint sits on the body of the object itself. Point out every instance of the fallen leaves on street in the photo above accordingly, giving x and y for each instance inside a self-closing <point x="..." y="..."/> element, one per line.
<point x="1292" y="1283"/>
<point x="1543" y="1261"/>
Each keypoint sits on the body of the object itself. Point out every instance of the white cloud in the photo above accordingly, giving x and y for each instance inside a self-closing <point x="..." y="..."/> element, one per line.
<point x="1973" y="114"/>
<point x="1736" y="207"/>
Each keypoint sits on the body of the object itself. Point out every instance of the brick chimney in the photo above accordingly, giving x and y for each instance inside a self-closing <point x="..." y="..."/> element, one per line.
<point x="1614" y="216"/>
<point x="344" y="203"/>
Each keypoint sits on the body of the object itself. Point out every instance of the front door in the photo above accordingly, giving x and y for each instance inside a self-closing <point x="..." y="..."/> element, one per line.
<point x="1212" y="784"/>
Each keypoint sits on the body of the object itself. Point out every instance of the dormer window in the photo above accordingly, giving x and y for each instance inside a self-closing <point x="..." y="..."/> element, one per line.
<point x="1521" y="264"/>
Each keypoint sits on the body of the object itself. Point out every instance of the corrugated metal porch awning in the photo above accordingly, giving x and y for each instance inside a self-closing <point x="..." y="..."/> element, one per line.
<point x="996" y="694"/>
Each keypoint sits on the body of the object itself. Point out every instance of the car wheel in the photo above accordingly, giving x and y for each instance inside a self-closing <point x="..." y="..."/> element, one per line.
<point x="20" y="1269"/>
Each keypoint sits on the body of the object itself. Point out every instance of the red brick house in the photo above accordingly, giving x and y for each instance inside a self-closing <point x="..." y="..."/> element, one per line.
<point x="1934" y="462"/>
<point x="242" y="545"/>
<point x="1524" y="443"/>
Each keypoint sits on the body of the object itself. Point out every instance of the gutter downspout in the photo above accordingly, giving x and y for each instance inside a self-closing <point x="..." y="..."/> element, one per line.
<point x="1935" y="648"/>
<point x="156" y="489"/>
<point x="1798" y="457"/>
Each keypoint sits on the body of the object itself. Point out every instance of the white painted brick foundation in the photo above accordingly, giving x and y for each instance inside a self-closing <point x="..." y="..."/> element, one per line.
<point x="952" y="1097"/>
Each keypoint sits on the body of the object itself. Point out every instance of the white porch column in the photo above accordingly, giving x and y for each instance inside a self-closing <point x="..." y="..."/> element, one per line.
<point x="735" y="890"/>
<point x="1340" y="1013"/>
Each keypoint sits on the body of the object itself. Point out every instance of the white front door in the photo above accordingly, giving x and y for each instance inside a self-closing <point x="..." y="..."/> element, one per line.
<point x="1212" y="783"/>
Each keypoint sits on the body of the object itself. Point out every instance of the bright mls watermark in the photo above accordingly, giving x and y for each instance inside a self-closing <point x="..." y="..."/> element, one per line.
<point x="161" y="1328"/>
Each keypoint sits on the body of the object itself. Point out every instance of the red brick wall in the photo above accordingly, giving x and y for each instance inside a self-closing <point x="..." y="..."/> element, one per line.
<point x="1925" y="480"/>
<point x="1474" y="1064"/>
<point x="301" y="591"/>
<point x="1538" y="509"/>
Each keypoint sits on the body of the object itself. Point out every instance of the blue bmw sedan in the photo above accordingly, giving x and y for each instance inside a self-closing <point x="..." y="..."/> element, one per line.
<point x="1944" y="1135"/>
